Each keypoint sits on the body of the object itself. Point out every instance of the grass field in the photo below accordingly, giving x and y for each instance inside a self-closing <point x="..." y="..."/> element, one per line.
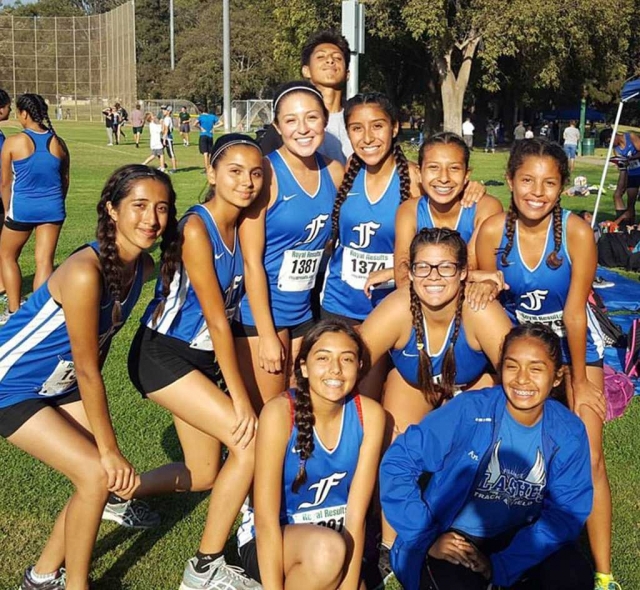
<point x="32" y="494"/>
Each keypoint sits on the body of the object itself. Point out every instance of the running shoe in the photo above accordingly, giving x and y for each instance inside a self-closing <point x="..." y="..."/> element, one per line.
<point x="5" y="316"/>
<point x="219" y="575"/>
<point x="59" y="582"/>
<point x="134" y="514"/>
<point x="605" y="583"/>
<point x="600" y="283"/>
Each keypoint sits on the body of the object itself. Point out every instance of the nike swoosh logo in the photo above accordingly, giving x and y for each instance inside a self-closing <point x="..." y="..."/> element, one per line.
<point x="289" y="197"/>
<point x="352" y="194"/>
<point x="405" y="353"/>
<point x="219" y="256"/>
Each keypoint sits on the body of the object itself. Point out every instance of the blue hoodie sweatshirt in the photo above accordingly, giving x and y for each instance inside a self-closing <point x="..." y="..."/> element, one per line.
<point x="450" y="444"/>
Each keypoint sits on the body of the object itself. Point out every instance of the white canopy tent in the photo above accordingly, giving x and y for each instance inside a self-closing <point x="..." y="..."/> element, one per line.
<point x="630" y="91"/>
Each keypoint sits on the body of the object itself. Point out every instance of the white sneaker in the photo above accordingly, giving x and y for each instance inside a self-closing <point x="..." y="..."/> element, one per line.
<point x="134" y="514"/>
<point x="218" y="576"/>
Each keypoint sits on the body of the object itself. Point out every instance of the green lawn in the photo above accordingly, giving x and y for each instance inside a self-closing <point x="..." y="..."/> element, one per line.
<point x="32" y="494"/>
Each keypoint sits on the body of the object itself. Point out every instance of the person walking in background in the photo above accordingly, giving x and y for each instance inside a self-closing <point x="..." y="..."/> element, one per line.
<point x="35" y="181"/>
<point x="155" y="141"/>
<point x="467" y="132"/>
<point x="108" y="123"/>
<point x="137" y="122"/>
<point x="571" y="138"/>
<point x="167" y="136"/>
<point x="185" y="127"/>
<point x="490" y="144"/>
<point x="121" y="117"/>
<point x="206" y="122"/>
<point x="519" y="132"/>
<point x="528" y="134"/>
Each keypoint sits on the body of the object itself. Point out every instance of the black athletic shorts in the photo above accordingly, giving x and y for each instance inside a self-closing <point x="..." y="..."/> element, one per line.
<point x="22" y="226"/>
<point x="245" y="331"/>
<point x="329" y="315"/>
<point x="205" y="144"/>
<point x="13" y="417"/>
<point x="633" y="181"/>
<point x="168" y="145"/>
<point x="137" y="129"/>
<point x="157" y="360"/>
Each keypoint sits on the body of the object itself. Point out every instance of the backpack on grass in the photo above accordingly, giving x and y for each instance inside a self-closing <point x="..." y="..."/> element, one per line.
<point x="612" y="332"/>
<point x="618" y="392"/>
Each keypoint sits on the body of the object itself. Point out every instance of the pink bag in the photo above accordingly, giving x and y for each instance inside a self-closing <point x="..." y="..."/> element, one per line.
<point x="618" y="391"/>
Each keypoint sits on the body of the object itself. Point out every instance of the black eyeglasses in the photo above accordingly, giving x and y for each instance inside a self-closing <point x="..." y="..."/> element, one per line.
<point x="422" y="270"/>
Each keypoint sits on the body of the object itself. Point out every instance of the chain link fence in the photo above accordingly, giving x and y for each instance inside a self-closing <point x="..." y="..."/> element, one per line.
<point x="79" y="65"/>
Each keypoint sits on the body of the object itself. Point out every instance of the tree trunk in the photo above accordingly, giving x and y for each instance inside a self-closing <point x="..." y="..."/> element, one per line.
<point x="453" y="87"/>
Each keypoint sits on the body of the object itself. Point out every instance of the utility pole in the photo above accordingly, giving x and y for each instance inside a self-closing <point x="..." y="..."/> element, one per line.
<point x="353" y="30"/>
<point x="226" y="67"/>
<point x="171" y="36"/>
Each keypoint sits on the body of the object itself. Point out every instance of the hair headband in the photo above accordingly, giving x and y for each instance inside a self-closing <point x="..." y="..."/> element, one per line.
<point x="239" y="141"/>
<point x="297" y="89"/>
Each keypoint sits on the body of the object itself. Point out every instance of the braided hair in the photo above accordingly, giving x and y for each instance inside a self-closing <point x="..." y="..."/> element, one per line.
<point x="36" y="107"/>
<point x="355" y="165"/>
<point x="304" y="418"/>
<point x="540" y="148"/>
<point x="436" y="393"/>
<point x="117" y="188"/>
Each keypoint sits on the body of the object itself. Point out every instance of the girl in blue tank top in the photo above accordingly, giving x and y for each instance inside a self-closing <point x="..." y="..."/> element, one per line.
<point x="51" y="355"/>
<point x="627" y="146"/>
<point x="438" y="343"/>
<point x="549" y="258"/>
<point x="450" y="199"/>
<point x="378" y="179"/>
<point x="184" y="359"/>
<point x="35" y="181"/>
<point x="283" y="235"/>
<point x="317" y="457"/>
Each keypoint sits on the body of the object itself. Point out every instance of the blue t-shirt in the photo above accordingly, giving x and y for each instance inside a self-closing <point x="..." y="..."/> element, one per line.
<point x="365" y="244"/>
<point x="207" y="122"/>
<point x="182" y="317"/>
<point x="511" y="483"/>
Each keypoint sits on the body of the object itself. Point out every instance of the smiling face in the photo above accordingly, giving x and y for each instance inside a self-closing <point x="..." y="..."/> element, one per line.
<point x="301" y="122"/>
<point x="528" y="376"/>
<point x="371" y="133"/>
<point x="141" y="216"/>
<point x="435" y="291"/>
<point x="237" y="175"/>
<point x="326" y="66"/>
<point x="536" y="187"/>
<point x="332" y="366"/>
<point x="444" y="173"/>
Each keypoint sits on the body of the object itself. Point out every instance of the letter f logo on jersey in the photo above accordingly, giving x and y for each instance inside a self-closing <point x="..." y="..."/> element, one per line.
<point x="534" y="299"/>
<point x="314" y="227"/>
<point x="322" y="488"/>
<point x="365" y="232"/>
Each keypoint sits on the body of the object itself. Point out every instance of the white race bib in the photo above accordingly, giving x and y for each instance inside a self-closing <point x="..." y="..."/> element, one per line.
<point x="299" y="269"/>
<point x="333" y="517"/>
<point x="358" y="265"/>
<point x="62" y="379"/>
<point x="633" y="164"/>
<point x="553" y="320"/>
<point x="202" y="341"/>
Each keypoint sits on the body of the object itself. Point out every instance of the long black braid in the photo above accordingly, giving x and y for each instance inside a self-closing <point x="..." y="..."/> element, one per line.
<point x="37" y="109"/>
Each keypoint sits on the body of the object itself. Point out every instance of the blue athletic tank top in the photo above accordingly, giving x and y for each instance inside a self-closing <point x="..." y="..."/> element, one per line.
<point x="35" y="352"/>
<point x="2" y="138"/>
<point x="297" y="228"/>
<point x="464" y="225"/>
<point x="627" y="151"/>
<point x="470" y="363"/>
<point x="365" y="244"/>
<point x="322" y="499"/>
<point x="182" y="317"/>
<point x="539" y="294"/>
<point x="36" y="191"/>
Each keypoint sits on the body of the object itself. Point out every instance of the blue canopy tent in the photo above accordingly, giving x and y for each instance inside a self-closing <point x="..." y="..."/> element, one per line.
<point x="630" y="91"/>
<point x="574" y="114"/>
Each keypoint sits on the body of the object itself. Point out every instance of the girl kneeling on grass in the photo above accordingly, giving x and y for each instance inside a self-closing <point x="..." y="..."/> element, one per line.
<point x="52" y="396"/>
<point x="508" y="484"/>
<point x="184" y="359"/>
<point x="316" y="463"/>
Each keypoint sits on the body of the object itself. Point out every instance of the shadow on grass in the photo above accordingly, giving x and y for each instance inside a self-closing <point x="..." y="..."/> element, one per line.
<point x="172" y="507"/>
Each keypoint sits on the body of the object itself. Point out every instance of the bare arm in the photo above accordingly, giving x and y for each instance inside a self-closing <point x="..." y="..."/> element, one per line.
<point x="489" y="341"/>
<point x="361" y="490"/>
<point x="197" y="256"/>
<point x="487" y="207"/>
<point x="7" y="174"/>
<point x="406" y="227"/>
<point x="271" y="445"/>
